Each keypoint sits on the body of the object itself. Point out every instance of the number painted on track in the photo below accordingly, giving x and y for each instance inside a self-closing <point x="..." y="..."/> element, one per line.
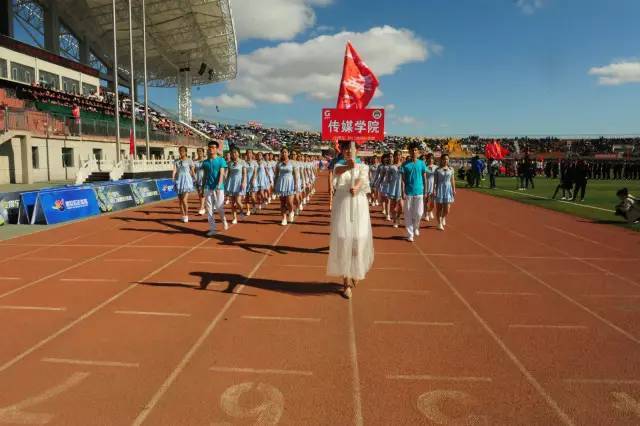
<point x="268" y="412"/>
<point x="429" y="404"/>
<point x="14" y="414"/>
<point x="626" y="403"/>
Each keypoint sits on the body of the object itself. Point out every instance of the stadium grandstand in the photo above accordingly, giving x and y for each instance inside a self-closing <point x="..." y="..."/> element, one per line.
<point x="62" y="103"/>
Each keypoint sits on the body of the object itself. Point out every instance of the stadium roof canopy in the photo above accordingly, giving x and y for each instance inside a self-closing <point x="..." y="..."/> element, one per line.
<point x="180" y="34"/>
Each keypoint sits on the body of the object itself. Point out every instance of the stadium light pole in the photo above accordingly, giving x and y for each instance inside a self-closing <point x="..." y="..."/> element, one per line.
<point x="146" y="98"/>
<point x="132" y="88"/>
<point x="115" y="80"/>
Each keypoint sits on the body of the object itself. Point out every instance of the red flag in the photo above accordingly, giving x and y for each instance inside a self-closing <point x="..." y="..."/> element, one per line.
<point x="358" y="83"/>
<point x="495" y="150"/>
<point x="132" y="143"/>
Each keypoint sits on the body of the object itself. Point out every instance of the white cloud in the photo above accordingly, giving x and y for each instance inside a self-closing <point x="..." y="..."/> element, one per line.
<point x="297" y="125"/>
<point x="618" y="73"/>
<point x="406" y="120"/>
<point x="274" y="19"/>
<point x="225" y="101"/>
<point x="529" y="7"/>
<point x="313" y="68"/>
<point x="390" y="107"/>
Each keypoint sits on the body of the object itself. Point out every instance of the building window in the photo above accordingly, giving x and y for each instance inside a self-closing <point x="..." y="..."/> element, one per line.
<point x="67" y="157"/>
<point x="22" y="73"/>
<point x="69" y="43"/>
<point x="89" y="89"/>
<point x="35" y="157"/>
<point x="3" y="68"/>
<point x="70" y="85"/>
<point x="49" y="80"/>
<point x="97" y="64"/>
<point x="97" y="153"/>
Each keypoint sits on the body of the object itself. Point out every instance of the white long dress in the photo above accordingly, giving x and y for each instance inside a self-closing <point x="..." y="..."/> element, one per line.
<point x="351" y="245"/>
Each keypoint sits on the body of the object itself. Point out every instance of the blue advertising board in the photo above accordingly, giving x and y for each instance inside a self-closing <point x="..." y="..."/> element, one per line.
<point x="10" y="207"/>
<point x="145" y="191"/>
<point x="63" y="205"/>
<point x="27" y="204"/>
<point x="114" y="197"/>
<point x="167" y="188"/>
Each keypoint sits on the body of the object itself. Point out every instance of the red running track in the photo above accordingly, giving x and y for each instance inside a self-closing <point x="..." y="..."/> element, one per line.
<point x="513" y="315"/>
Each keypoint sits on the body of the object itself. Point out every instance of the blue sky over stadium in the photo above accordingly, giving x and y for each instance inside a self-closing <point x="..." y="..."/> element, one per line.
<point x="446" y="67"/>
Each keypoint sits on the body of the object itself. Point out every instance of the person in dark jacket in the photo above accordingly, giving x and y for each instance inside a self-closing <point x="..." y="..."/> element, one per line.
<point x="580" y="177"/>
<point x="566" y="180"/>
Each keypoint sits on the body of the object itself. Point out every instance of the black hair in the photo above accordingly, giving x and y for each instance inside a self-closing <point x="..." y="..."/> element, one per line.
<point x="213" y="143"/>
<point x="622" y="192"/>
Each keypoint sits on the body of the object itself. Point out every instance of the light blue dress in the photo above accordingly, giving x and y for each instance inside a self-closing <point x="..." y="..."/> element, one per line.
<point x="443" y="186"/>
<point x="297" y="167"/>
<point x="373" y="174"/>
<point x="252" y="168"/>
<point x="262" y="180"/>
<point x="285" y="182"/>
<point x="392" y="186"/>
<point x="271" y="167"/>
<point x="431" y="176"/>
<point x="382" y="171"/>
<point x="198" y="182"/>
<point x="184" y="181"/>
<point x="233" y="186"/>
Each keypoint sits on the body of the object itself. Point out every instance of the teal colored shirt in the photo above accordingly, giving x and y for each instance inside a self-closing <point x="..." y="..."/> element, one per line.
<point x="413" y="172"/>
<point x="211" y="168"/>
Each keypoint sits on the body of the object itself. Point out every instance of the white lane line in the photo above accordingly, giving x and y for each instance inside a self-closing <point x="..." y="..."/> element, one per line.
<point x="438" y="378"/>
<point x="613" y="296"/>
<point x="421" y="323"/>
<point x="564" y="417"/>
<point x="97" y="308"/>
<point x="478" y="271"/>
<point x="393" y="290"/>
<point x="324" y="266"/>
<point x="75" y="265"/>
<point x="47" y="259"/>
<point x="142" y="416"/>
<point x="581" y="238"/>
<point x="205" y="262"/>
<point x="31" y="308"/>
<point x="551" y="327"/>
<point x="505" y="293"/>
<point x="90" y="280"/>
<point x="253" y="317"/>
<point x="157" y="314"/>
<point x="353" y="352"/>
<point x="90" y="362"/>
<point x="555" y="290"/>
<point x="604" y="381"/>
<point x="260" y="371"/>
<point x="589" y="206"/>
<point x="10" y="278"/>
<point x="128" y="260"/>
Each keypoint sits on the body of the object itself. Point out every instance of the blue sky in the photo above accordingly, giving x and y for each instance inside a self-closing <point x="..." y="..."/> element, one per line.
<point x="446" y="67"/>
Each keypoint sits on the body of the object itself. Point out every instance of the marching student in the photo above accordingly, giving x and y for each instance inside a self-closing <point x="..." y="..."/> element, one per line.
<point x="214" y="175"/>
<point x="380" y="179"/>
<point x="198" y="179"/>
<point x="183" y="175"/>
<point x="393" y="188"/>
<point x="373" y="177"/>
<point x="236" y="183"/>
<point x="285" y="186"/>
<point x="271" y="168"/>
<point x="351" y="250"/>
<point x="252" y="176"/>
<point x="262" y="182"/>
<point x="297" y="174"/>
<point x="429" y="190"/>
<point x="414" y="176"/>
<point x="445" y="190"/>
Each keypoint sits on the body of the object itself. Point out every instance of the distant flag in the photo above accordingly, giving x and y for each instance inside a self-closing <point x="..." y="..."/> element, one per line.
<point x="496" y="151"/>
<point x="132" y="143"/>
<point x="217" y="108"/>
<point x="358" y="84"/>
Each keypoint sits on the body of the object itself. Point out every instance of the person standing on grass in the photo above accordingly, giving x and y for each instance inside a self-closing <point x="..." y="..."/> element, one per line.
<point x="351" y="239"/>
<point x="183" y="174"/>
<point x="580" y="177"/>
<point x="445" y="191"/>
<point x="414" y="177"/>
<point x="566" y="181"/>
<point x="494" y="168"/>
<point x="214" y="168"/>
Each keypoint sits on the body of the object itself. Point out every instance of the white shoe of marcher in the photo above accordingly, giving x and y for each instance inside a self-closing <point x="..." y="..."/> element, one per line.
<point x="410" y="239"/>
<point x="201" y="212"/>
<point x="291" y="217"/>
<point x="440" y="227"/>
<point x="416" y="232"/>
<point x="444" y="221"/>
<point x="185" y="219"/>
<point x="284" y="222"/>
<point x="226" y="225"/>
<point x="234" y="221"/>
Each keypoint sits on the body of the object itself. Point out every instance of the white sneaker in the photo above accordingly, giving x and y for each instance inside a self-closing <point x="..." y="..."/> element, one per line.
<point x="234" y="222"/>
<point x="416" y="232"/>
<point x="388" y="217"/>
<point x="410" y="239"/>
<point x="226" y="225"/>
<point x="248" y="213"/>
<point x="211" y="233"/>
<point x="395" y="225"/>
<point x="444" y="221"/>
<point x="201" y="212"/>
<point x="563" y="198"/>
<point x="440" y="227"/>
<point x="301" y="208"/>
<point x="284" y="222"/>
<point x="291" y="217"/>
<point x="185" y="219"/>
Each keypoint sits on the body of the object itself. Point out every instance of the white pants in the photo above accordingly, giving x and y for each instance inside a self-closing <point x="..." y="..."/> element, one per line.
<point x="214" y="198"/>
<point x="413" y="210"/>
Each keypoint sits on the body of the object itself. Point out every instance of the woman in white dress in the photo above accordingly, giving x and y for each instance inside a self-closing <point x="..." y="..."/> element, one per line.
<point x="351" y="246"/>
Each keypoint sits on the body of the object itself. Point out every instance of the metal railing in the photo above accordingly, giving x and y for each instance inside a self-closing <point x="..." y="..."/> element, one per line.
<point x="48" y="124"/>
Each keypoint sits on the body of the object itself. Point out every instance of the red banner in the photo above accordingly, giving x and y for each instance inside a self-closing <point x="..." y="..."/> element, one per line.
<point x="358" y="125"/>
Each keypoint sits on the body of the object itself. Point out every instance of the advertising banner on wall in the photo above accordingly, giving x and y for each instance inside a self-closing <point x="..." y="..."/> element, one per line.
<point x="167" y="188"/>
<point x="145" y="192"/>
<point x="63" y="205"/>
<point x="10" y="207"/>
<point x="116" y="197"/>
